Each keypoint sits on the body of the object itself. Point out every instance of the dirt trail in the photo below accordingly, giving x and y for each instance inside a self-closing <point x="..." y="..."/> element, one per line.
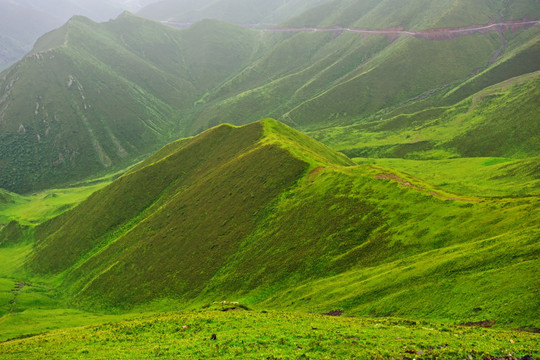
<point x="432" y="34"/>
<point x="404" y="183"/>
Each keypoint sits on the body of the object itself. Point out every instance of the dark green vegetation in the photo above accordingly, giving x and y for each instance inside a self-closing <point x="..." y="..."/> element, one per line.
<point x="91" y="97"/>
<point x="271" y="335"/>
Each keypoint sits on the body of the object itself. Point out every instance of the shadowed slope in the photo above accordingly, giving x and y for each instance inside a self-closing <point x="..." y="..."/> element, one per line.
<point x="195" y="203"/>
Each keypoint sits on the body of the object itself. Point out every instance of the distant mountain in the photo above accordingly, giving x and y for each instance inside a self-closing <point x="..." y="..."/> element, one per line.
<point x="22" y="22"/>
<point x="264" y="214"/>
<point x="173" y="10"/>
<point x="235" y="11"/>
<point x="102" y="95"/>
<point x="415" y="15"/>
<point x="134" y="5"/>
<point x="123" y="88"/>
<point x="20" y="26"/>
<point x="312" y="79"/>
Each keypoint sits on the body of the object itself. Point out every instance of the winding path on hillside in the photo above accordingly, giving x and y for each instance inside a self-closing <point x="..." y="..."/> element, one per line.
<point x="431" y="34"/>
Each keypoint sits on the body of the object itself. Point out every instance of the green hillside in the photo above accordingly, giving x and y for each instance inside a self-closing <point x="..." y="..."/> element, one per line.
<point x="348" y="78"/>
<point x="94" y="97"/>
<point x="391" y="212"/>
<point x="220" y="220"/>
<point x="499" y="121"/>
<point x="272" y="335"/>
<point x="321" y="79"/>
<point x="415" y="15"/>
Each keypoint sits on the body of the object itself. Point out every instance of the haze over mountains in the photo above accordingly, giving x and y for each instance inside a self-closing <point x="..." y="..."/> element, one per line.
<point x="92" y="97"/>
<point x="249" y="12"/>
<point x="22" y="22"/>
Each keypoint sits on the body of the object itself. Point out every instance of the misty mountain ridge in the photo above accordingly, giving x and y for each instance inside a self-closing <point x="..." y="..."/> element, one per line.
<point x="187" y="81"/>
<point x="23" y="22"/>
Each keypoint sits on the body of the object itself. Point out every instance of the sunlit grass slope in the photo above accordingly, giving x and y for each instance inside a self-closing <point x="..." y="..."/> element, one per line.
<point x="499" y="121"/>
<point x="273" y="218"/>
<point x="488" y="177"/>
<point x="211" y="189"/>
<point x="271" y="335"/>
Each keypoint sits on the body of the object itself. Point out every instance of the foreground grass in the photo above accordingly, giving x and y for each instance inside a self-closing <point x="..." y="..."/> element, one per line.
<point x="271" y="335"/>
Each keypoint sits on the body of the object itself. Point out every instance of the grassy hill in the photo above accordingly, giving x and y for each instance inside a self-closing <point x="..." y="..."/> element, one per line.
<point x="423" y="232"/>
<point x="270" y="334"/>
<point x="321" y="79"/>
<point x="220" y="220"/>
<point x="499" y="121"/>
<point x="92" y="97"/>
<point x="133" y="85"/>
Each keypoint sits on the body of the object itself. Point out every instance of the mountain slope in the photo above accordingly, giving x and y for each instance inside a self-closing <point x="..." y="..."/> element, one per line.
<point x="135" y="84"/>
<point x="328" y="70"/>
<point x="414" y="15"/>
<point x="95" y="96"/>
<point x="23" y="22"/>
<point x="220" y="219"/>
<point x="501" y="120"/>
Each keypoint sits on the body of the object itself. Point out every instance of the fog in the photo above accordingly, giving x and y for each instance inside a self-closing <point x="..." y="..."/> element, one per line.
<point x="22" y="22"/>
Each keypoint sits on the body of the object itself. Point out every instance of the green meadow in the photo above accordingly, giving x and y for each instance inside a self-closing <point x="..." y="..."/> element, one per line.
<point x="271" y="335"/>
<point x="405" y="251"/>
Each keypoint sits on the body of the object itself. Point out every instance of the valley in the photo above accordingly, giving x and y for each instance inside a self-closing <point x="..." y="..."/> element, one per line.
<point x="361" y="180"/>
